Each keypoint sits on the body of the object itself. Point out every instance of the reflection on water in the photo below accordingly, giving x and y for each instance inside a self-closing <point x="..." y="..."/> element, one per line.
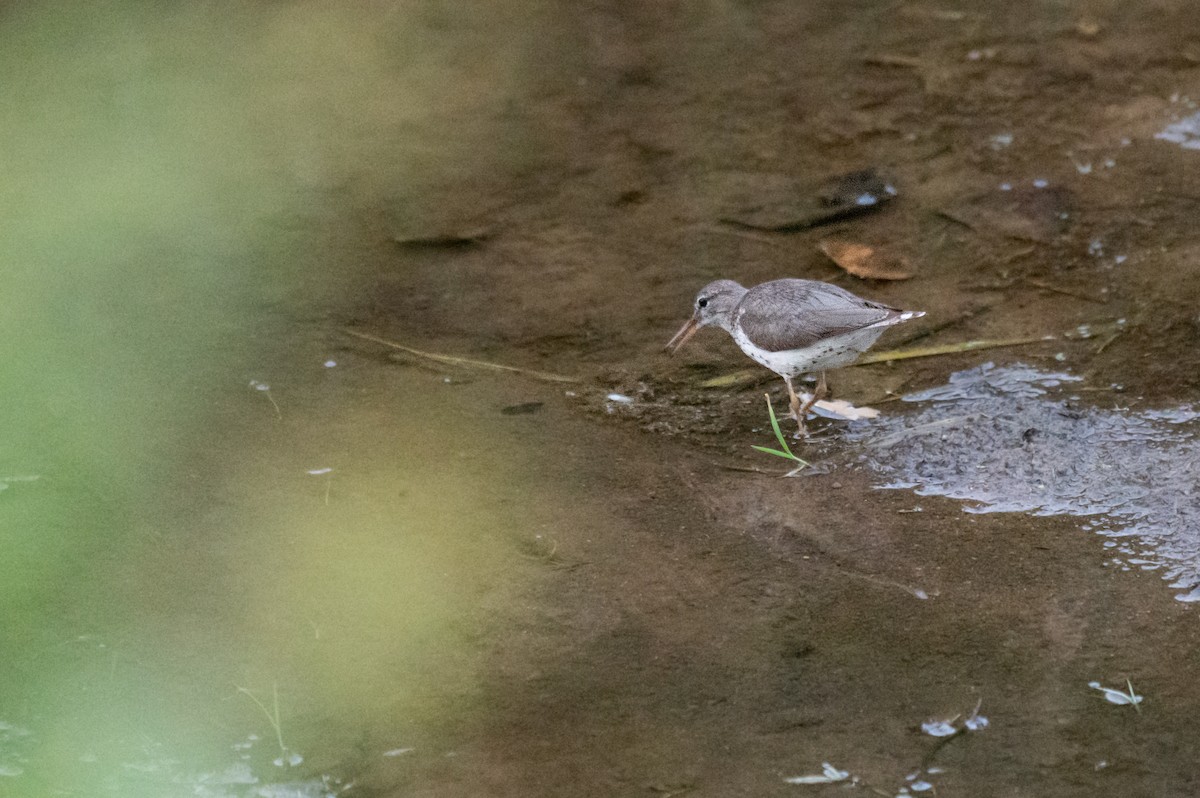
<point x="1013" y="439"/>
<point x="174" y="548"/>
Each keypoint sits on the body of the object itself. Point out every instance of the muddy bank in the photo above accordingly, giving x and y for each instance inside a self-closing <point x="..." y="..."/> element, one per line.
<point x="728" y="629"/>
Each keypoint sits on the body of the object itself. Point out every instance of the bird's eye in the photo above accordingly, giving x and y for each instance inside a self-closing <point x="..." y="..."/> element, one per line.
<point x="702" y="302"/>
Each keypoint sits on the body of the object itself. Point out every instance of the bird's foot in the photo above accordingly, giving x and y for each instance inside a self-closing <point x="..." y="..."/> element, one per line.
<point x="801" y="428"/>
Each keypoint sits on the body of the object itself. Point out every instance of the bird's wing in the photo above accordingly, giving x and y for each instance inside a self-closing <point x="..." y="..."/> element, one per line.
<point x="793" y="314"/>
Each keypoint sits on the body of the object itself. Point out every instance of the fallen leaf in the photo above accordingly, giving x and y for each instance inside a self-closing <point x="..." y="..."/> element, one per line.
<point x="865" y="261"/>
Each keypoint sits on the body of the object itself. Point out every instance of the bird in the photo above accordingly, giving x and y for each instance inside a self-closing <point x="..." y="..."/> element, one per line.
<point x="793" y="327"/>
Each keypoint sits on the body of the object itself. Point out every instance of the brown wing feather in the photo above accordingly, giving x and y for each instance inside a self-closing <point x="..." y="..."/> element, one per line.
<point x="793" y="314"/>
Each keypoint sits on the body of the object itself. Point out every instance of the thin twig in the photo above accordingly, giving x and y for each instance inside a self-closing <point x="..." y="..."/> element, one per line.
<point x="947" y="349"/>
<point x="451" y="360"/>
<point x="273" y="718"/>
<point x="1064" y="291"/>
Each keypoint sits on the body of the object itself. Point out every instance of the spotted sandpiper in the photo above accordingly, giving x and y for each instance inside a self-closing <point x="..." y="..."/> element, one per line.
<point x="793" y="327"/>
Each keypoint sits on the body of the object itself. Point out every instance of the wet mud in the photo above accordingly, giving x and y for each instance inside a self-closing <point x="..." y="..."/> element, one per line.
<point x="715" y="629"/>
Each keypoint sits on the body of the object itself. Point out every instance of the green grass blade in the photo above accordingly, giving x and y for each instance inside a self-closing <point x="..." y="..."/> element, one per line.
<point x="776" y="452"/>
<point x="775" y="426"/>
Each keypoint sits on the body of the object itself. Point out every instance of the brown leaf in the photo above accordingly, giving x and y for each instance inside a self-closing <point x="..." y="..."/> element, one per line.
<point x="865" y="261"/>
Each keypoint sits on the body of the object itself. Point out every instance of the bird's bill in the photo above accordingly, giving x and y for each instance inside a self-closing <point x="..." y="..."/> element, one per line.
<point x="681" y="337"/>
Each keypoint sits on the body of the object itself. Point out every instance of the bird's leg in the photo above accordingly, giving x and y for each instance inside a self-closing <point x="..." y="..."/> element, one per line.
<point x="797" y="412"/>
<point x="818" y="394"/>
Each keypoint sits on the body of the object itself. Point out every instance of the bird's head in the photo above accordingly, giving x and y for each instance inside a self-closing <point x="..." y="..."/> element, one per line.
<point x="713" y="306"/>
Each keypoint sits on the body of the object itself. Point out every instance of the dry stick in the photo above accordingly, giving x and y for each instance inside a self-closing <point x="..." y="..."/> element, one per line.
<point x="451" y="360"/>
<point x="946" y="349"/>
<point x="272" y="717"/>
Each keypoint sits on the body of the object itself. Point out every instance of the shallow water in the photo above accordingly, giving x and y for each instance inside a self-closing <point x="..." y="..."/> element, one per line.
<point x="1015" y="439"/>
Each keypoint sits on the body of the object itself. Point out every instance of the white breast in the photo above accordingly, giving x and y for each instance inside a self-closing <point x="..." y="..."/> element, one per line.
<point x="828" y="353"/>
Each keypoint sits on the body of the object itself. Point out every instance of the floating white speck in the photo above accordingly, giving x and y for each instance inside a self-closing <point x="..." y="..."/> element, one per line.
<point x="259" y="385"/>
<point x="920" y="785"/>
<point x="330" y="364"/>
<point x="1006" y="186"/>
<point x="399" y="751"/>
<point x="976" y="723"/>
<point x="316" y="472"/>
<point x="1185" y="132"/>
<point x="292" y="759"/>
<point x="829" y="775"/>
<point x="938" y="728"/>
<point x="620" y="398"/>
<point x="865" y="200"/>
<point x="1119" y="259"/>
<point x="1083" y="168"/>
<point x="1040" y="183"/>
<point x="1000" y="140"/>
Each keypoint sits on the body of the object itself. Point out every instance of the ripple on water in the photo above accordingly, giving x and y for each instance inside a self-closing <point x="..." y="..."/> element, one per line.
<point x="1011" y="440"/>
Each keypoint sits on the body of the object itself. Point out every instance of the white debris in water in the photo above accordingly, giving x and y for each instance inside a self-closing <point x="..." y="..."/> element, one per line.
<point x="1096" y="248"/>
<point x="288" y="759"/>
<point x="1119" y="697"/>
<point x="399" y="751"/>
<point x="1119" y="259"/>
<point x="1084" y="168"/>
<point x="259" y="385"/>
<point x="316" y="472"/>
<point x="237" y="773"/>
<point x="330" y="364"/>
<point x="865" y="200"/>
<point x="1000" y="140"/>
<point x="1006" y="186"/>
<point x="1185" y="132"/>
<point x="1040" y="183"/>
<point x="620" y="398"/>
<point x="829" y="775"/>
<point x="843" y="410"/>
<point x="296" y="789"/>
<point x="938" y="728"/>
<point x="976" y="723"/>
<point x="5" y="482"/>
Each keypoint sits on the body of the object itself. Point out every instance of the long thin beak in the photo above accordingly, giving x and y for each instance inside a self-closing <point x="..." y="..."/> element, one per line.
<point x="685" y="332"/>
